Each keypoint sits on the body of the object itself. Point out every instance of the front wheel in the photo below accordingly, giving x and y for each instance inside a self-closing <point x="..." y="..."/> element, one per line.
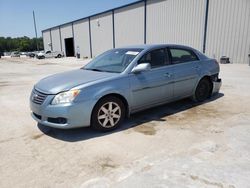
<point x="40" y="57"/>
<point x="203" y="90"/>
<point x="59" y="55"/>
<point x="108" y="114"/>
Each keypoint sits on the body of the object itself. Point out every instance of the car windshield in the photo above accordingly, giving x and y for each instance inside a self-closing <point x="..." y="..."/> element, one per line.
<point x="115" y="60"/>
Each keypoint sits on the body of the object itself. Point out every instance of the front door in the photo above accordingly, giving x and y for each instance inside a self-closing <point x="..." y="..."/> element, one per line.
<point x="48" y="54"/>
<point x="153" y="86"/>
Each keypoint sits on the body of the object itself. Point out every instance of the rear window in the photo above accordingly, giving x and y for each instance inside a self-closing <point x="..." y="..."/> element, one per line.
<point x="182" y="55"/>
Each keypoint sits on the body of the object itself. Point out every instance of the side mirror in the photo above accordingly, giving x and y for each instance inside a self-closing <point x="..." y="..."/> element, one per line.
<point x="141" y="68"/>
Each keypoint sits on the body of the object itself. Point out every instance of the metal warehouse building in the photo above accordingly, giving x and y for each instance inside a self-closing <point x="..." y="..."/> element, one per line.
<point x="216" y="27"/>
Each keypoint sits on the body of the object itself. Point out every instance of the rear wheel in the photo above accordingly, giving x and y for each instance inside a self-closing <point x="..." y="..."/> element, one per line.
<point x="108" y="114"/>
<point x="203" y="90"/>
<point x="59" y="55"/>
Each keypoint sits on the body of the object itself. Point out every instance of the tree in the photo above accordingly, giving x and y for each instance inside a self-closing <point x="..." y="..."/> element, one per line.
<point x="23" y="44"/>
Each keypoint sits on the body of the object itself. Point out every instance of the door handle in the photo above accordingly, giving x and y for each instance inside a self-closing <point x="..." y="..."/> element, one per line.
<point x="197" y="67"/>
<point x="168" y="75"/>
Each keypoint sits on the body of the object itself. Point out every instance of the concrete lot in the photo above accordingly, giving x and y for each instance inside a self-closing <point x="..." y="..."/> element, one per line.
<point x="177" y="145"/>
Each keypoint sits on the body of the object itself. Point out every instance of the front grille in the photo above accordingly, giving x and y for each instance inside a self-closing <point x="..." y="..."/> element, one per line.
<point x="38" y="97"/>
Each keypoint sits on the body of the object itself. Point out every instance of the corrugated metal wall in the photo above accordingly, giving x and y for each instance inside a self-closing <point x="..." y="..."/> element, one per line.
<point x="101" y="33"/>
<point x="81" y="35"/>
<point x="167" y="21"/>
<point x="56" y="43"/>
<point x="46" y="40"/>
<point x="129" y="25"/>
<point x="176" y="21"/>
<point x="229" y="29"/>
<point x="66" y="32"/>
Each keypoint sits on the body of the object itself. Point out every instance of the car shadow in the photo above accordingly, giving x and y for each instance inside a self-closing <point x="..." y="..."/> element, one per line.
<point x="152" y="114"/>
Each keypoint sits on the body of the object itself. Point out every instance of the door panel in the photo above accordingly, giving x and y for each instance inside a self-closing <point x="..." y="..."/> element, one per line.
<point x="47" y="54"/>
<point x="150" y="87"/>
<point x="185" y="78"/>
<point x="186" y="70"/>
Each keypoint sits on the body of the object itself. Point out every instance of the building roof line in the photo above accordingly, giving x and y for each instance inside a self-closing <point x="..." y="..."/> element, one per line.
<point x="93" y="15"/>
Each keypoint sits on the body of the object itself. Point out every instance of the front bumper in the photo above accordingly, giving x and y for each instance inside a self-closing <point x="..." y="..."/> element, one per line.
<point x="75" y="114"/>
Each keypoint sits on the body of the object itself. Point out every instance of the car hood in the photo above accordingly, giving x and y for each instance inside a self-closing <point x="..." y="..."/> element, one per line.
<point x="65" y="81"/>
<point x="40" y="53"/>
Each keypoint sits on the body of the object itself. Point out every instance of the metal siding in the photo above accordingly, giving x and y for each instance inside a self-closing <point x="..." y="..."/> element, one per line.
<point x="46" y="40"/>
<point x="66" y="32"/>
<point x="129" y="25"/>
<point x="102" y="35"/>
<point x="93" y="15"/>
<point x="229" y="30"/>
<point x="81" y="34"/>
<point x="56" y="39"/>
<point x="176" y="21"/>
<point x="167" y="21"/>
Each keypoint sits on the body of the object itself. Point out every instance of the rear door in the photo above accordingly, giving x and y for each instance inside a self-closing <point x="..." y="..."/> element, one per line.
<point x="186" y="71"/>
<point x="153" y="86"/>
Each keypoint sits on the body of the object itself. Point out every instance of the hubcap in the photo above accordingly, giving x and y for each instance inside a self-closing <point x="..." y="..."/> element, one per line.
<point x="109" y="114"/>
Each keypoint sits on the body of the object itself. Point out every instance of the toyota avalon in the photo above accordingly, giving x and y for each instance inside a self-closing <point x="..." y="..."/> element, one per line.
<point x="123" y="81"/>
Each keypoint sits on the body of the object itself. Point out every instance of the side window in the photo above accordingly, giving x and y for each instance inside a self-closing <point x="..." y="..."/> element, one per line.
<point x="48" y="52"/>
<point x="182" y="55"/>
<point x="156" y="58"/>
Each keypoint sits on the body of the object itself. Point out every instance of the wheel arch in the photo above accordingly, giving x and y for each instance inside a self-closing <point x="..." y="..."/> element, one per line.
<point x="119" y="96"/>
<point x="209" y="78"/>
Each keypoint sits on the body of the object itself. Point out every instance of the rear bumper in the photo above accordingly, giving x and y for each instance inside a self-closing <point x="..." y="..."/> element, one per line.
<point x="216" y="86"/>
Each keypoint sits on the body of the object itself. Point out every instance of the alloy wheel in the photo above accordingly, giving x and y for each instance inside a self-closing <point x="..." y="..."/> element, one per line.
<point x="109" y="114"/>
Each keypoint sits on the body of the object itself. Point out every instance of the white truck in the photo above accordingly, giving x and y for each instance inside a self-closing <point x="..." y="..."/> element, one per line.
<point x="49" y="54"/>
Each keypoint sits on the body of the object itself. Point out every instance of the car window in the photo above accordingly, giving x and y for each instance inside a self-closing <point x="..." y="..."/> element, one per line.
<point x="182" y="55"/>
<point x="48" y="52"/>
<point x="156" y="58"/>
<point x="115" y="60"/>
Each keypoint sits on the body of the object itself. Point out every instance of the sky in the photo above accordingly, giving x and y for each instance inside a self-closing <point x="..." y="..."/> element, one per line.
<point x="16" y="19"/>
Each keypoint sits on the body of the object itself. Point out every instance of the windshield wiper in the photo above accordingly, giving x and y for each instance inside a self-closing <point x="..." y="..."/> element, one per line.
<point x="100" y="70"/>
<point x="112" y="71"/>
<point x="94" y="69"/>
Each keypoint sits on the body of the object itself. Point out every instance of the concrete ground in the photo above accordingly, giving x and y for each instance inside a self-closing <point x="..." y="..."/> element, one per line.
<point x="176" y="145"/>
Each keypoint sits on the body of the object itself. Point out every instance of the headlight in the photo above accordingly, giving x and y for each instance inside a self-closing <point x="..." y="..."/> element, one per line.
<point x="65" y="97"/>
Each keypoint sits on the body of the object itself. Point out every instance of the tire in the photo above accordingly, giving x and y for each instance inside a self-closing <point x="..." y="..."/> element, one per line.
<point x="108" y="114"/>
<point x="203" y="90"/>
<point x="40" y="57"/>
<point x="59" y="56"/>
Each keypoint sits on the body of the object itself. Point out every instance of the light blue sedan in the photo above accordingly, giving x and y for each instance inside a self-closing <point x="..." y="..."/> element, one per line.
<point x="123" y="81"/>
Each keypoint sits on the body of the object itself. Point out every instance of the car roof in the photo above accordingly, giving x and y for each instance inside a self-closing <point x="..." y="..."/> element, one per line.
<point x="151" y="46"/>
<point x="148" y="47"/>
